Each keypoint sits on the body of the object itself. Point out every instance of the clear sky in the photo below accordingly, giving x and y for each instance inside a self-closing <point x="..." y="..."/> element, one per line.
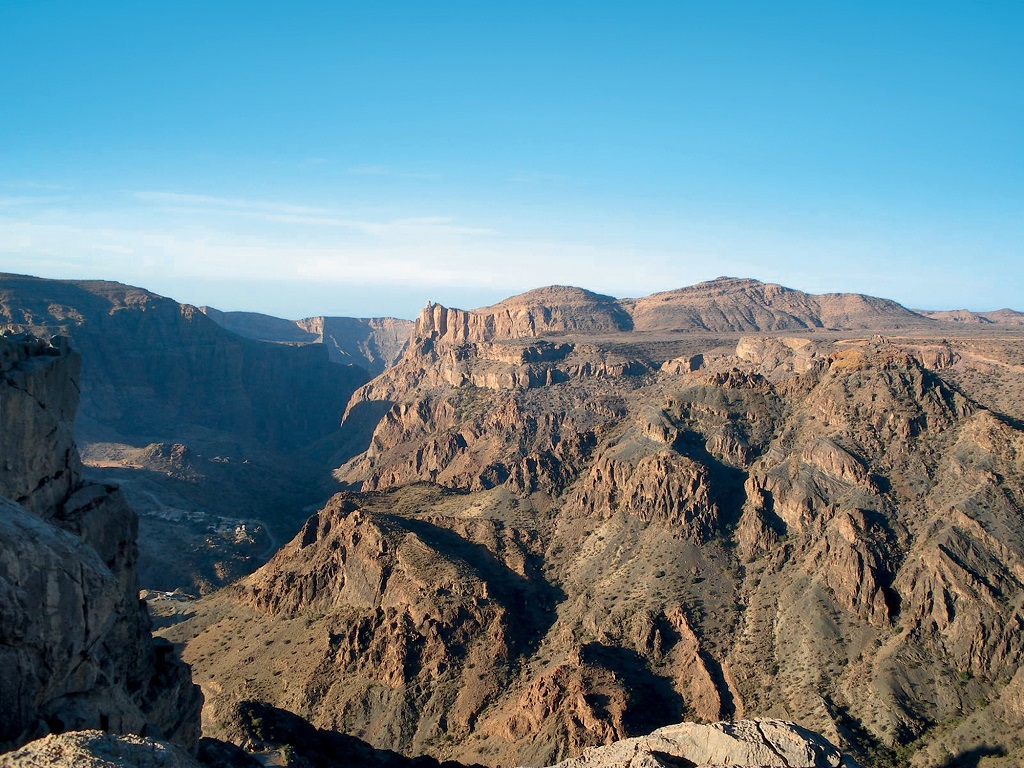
<point x="360" y="158"/>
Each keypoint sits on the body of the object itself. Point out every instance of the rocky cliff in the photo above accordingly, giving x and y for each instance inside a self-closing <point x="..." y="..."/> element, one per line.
<point x="740" y="743"/>
<point x="75" y="642"/>
<point x="219" y="442"/>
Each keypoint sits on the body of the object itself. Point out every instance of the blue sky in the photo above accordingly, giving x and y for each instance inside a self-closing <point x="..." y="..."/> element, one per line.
<point x="361" y="158"/>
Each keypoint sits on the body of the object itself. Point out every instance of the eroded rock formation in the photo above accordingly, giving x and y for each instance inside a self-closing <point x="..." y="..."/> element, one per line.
<point x="821" y="528"/>
<point x="75" y="646"/>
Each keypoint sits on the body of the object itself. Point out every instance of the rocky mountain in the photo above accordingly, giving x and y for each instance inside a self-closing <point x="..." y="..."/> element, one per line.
<point x="75" y="644"/>
<point x="570" y="525"/>
<point x="219" y="442"/>
<point x="370" y="343"/>
<point x="726" y="305"/>
<point x="735" y="305"/>
<point x="965" y="316"/>
<point x="96" y="749"/>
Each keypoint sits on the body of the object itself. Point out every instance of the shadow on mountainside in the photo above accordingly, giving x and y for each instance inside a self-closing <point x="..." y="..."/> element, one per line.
<point x="267" y="728"/>
<point x="654" y="702"/>
<point x="971" y="758"/>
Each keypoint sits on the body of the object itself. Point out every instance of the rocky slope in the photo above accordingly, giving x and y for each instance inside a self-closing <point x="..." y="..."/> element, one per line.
<point x="219" y="442"/>
<point x="75" y="645"/>
<point x="563" y="532"/>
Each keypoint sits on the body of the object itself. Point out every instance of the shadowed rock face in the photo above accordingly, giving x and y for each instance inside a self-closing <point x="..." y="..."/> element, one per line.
<point x="75" y="646"/>
<point x="153" y="366"/>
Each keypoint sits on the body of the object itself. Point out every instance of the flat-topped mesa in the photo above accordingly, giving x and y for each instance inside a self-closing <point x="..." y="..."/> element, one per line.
<point x="556" y="309"/>
<point x="740" y="305"/>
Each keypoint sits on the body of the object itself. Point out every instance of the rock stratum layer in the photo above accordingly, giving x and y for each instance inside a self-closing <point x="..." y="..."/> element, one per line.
<point x="75" y="643"/>
<point x="564" y="530"/>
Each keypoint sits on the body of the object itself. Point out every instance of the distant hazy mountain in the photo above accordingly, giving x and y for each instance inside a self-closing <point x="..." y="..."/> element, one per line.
<point x="371" y="343"/>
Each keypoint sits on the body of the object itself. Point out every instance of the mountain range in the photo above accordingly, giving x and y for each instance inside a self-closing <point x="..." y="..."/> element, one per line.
<point x="567" y="519"/>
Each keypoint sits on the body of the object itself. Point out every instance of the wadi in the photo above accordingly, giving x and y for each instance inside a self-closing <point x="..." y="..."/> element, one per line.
<point x="727" y="524"/>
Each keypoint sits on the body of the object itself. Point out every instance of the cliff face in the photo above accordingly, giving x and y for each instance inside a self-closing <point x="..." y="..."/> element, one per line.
<point x="556" y="309"/>
<point x="217" y="441"/>
<point x="75" y="644"/>
<point x="153" y="366"/>
<point x="374" y="343"/>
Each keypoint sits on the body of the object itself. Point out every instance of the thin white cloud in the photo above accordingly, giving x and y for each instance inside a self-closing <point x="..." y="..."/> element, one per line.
<point x="24" y="200"/>
<point x="288" y="213"/>
<point x="225" y="203"/>
<point x="30" y="184"/>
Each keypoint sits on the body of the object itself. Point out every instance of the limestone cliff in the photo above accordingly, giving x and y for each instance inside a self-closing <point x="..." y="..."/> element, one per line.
<point x="373" y="343"/>
<point x="75" y="644"/>
<point x="556" y="309"/>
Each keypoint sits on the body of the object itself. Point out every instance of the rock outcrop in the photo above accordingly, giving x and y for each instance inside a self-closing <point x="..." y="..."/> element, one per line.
<point x="737" y="744"/>
<point x="75" y="645"/>
<point x="556" y="309"/>
<point x="96" y="749"/>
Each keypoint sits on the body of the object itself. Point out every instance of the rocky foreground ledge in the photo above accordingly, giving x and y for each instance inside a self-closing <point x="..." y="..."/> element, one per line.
<point x="742" y="743"/>
<point x="739" y="744"/>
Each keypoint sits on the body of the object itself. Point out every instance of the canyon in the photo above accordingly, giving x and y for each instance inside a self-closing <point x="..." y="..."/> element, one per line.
<point x="568" y="522"/>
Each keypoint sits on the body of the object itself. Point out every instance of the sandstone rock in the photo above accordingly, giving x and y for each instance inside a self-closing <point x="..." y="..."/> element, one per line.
<point x="681" y="365"/>
<point x="663" y="487"/>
